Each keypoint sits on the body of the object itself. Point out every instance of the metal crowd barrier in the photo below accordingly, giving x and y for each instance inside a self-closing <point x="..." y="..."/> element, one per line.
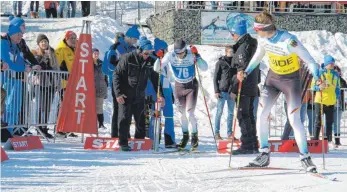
<point x="278" y="118"/>
<point x="32" y="99"/>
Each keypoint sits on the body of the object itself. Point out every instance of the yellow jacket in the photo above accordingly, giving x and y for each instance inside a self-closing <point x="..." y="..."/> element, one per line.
<point x="332" y="92"/>
<point x="65" y="56"/>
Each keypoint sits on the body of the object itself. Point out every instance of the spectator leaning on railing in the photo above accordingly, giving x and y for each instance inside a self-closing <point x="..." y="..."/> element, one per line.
<point x="11" y="57"/>
<point x="30" y="60"/>
<point x="327" y="93"/>
<point x="45" y="83"/>
<point x="17" y="80"/>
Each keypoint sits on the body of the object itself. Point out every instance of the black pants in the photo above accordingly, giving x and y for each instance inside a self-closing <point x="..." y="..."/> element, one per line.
<point x="329" y="119"/>
<point x="114" y="123"/>
<point x="85" y="8"/>
<point x="247" y="123"/>
<point x="51" y="12"/>
<point x="125" y="113"/>
<point x="32" y="6"/>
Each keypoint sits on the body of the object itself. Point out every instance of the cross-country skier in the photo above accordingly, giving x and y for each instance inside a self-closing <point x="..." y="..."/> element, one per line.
<point x="213" y="24"/>
<point x="181" y="63"/>
<point x="284" y="51"/>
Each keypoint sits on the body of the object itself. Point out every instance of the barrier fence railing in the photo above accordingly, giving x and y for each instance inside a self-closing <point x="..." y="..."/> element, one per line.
<point x="278" y="118"/>
<point x="32" y="99"/>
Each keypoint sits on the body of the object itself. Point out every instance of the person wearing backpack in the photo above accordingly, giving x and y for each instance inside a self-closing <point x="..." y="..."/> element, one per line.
<point x="123" y="44"/>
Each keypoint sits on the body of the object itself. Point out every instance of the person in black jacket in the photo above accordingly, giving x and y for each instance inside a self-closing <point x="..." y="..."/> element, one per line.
<point x="130" y="82"/>
<point x="245" y="48"/>
<point x="222" y="81"/>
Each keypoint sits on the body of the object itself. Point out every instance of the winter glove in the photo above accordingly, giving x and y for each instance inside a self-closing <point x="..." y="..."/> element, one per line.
<point x="194" y="50"/>
<point x="160" y="53"/>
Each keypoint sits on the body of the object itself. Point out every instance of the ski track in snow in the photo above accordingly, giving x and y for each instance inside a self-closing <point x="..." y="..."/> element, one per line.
<point x="66" y="166"/>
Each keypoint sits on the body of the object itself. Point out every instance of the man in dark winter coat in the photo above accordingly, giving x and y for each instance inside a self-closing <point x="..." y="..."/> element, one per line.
<point x="222" y="80"/>
<point x="244" y="49"/>
<point x="123" y="44"/>
<point x="130" y="82"/>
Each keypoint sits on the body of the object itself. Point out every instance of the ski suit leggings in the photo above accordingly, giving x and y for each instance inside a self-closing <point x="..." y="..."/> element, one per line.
<point x="289" y="85"/>
<point x="187" y="94"/>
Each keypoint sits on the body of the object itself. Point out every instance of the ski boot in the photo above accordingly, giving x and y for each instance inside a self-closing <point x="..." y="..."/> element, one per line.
<point x="337" y="140"/>
<point x="262" y="160"/>
<point x="184" y="141"/>
<point x="307" y="163"/>
<point x="194" y="141"/>
<point x="168" y="142"/>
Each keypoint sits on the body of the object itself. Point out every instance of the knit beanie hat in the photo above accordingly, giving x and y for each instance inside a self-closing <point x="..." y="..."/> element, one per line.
<point x="68" y="34"/>
<point x="159" y="44"/>
<point x="240" y="28"/>
<point x="145" y="44"/>
<point x="41" y="37"/>
<point x="133" y="32"/>
<point x="328" y="59"/>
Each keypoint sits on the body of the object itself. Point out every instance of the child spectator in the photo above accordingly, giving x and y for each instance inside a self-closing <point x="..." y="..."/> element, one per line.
<point x="327" y="93"/>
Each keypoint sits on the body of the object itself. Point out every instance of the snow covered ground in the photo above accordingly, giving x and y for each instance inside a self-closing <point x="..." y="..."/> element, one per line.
<point x="66" y="166"/>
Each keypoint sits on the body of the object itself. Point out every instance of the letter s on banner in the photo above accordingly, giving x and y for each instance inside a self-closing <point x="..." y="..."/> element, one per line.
<point x="78" y="111"/>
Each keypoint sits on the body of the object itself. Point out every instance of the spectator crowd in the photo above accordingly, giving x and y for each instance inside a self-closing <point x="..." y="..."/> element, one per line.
<point x="52" y="9"/>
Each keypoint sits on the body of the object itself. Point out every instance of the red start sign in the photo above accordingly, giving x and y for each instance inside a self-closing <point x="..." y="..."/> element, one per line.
<point x="285" y="146"/>
<point x="98" y="143"/>
<point x="24" y="143"/>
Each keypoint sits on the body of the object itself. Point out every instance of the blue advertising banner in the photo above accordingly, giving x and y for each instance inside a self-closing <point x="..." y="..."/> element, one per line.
<point x="215" y="26"/>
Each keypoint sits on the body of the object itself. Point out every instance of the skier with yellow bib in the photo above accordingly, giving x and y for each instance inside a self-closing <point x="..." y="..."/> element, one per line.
<point x="283" y="50"/>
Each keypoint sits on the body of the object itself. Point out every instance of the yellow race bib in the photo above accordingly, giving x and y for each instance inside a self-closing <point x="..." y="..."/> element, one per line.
<point x="283" y="65"/>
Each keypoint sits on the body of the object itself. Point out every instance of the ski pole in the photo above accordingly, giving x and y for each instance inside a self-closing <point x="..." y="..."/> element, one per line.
<point x="235" y="117"/>
<point x="157" y="110"/>
<point x="322" y="126"/>
<point x="143" y="31"/>
<point x="203" y="94"/>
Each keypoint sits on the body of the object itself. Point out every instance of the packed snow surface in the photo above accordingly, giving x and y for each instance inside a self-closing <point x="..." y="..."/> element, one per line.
<point x="66" y="166"/>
